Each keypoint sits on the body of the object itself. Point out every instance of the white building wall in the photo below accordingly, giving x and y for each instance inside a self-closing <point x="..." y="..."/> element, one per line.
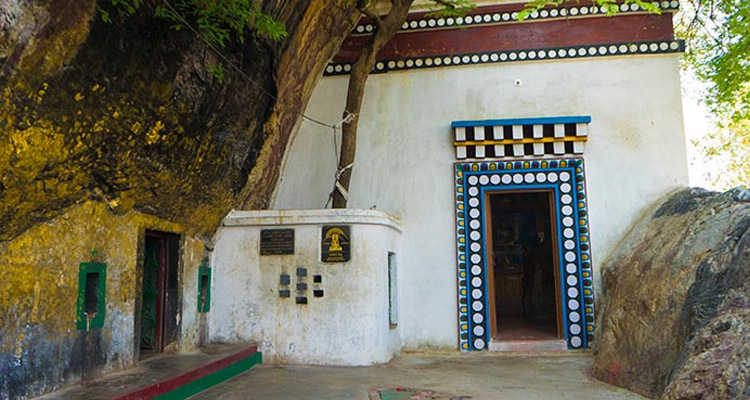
<point x="405" y="156"/>
<point x="349" y="325"/>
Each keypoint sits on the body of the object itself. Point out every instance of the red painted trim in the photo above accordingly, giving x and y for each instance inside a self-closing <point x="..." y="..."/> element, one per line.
<point x="518" y="36"/>
<point x="171" y="383"/>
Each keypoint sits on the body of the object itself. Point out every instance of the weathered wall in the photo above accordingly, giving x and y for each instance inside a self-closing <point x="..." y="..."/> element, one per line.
<point x="40" y="348"/>
<point x="192" y="254"/>
<point x="405" y="156"/>
<point x="347" y="326"/>
<point x="675" y="312"/>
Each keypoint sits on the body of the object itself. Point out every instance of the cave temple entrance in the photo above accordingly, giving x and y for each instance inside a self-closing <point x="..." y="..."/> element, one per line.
<point x="158" y="320"/>
<point x="524" y="285"/>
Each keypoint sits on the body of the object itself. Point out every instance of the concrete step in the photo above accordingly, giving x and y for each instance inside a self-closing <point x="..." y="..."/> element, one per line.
<point x="528" y="346"/>
<point x="169" y="376"/>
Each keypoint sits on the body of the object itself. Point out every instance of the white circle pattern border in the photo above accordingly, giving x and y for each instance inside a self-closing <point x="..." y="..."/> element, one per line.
<point x="577" y="304"/>
<point x="490" y="17"/>
<point x="594" y="50"/>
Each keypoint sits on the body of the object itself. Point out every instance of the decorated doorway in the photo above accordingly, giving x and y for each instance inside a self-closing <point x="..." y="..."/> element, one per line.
<point x="554" y="265"/>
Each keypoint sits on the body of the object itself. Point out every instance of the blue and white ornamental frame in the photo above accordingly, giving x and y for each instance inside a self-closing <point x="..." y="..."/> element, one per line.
<point x="565" y="179"/>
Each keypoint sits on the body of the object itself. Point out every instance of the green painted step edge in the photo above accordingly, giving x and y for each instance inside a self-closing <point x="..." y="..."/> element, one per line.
<point x="199" y="385"/>
<point x="396" y="395"/>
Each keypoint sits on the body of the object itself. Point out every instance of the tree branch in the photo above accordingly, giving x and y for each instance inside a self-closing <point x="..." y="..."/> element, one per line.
<point x="374" y="17"/>
<point x="445" y="3"/>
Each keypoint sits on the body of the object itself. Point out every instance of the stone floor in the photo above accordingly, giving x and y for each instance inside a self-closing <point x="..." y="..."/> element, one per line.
<point x="476" y="376"/>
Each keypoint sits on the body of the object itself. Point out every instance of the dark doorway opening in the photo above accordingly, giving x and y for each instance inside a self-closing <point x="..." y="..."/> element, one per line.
<point x="160" y="293"/>
<point x="524" y="269"/>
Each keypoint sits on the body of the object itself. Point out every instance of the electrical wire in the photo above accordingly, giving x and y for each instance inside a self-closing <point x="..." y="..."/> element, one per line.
<point x="348" y="116"/>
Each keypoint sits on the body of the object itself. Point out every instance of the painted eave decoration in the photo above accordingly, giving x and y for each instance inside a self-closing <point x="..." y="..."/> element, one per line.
<point x="492" y="34"/>
<point x="498" y="138"/>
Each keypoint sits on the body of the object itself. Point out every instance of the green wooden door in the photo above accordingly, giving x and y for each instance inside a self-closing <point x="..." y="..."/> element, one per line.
<point x="149" y="312"/>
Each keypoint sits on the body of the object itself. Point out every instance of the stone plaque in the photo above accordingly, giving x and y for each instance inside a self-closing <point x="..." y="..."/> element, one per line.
<point x="335" y="244"/>
<point x="274" y="242"/>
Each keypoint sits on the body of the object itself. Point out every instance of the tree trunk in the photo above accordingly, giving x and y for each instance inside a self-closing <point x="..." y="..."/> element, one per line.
<point x="297" y="73"/>
<point x="386" y="29"/>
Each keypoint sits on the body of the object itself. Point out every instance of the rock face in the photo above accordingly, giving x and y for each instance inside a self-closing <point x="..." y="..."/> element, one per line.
<point x="127" y="112"/>
<point x="675" y="312"/>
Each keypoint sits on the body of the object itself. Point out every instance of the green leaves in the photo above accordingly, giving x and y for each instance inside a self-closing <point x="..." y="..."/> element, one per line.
<point x="610" y="6"/>
<point x="451" y="8"/>
<point x="721" y="55"/>
<point x="218" y="21"/>
<point x="718" y="36"/>
<point x="217" y="71"/>
<point x="729" y="148"/>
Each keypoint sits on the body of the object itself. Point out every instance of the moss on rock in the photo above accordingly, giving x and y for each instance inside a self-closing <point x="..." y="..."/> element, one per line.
<point x="128" y="114"/>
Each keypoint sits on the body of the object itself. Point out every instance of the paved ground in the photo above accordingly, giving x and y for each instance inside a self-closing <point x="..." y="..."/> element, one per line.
<point x="480" y="376"/>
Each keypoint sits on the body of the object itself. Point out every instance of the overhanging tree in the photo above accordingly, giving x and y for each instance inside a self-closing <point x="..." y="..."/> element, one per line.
<point x="386" y="26"/>
<point x="718" y="35"/>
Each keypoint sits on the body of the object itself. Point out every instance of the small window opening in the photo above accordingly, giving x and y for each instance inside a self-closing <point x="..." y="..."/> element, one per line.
<point x="392" y="291"/>
<point x="91" y="295"/>
<point x="204" y="291"/>
<point x="91" y="301"/>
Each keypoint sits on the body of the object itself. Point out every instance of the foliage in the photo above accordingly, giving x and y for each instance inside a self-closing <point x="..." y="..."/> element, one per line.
<point x="125" y="7"/>
<point x="718" y="35"/>
<point x="451" y="8"/>
<point x="221" y="21"/>
<point x="218" y="21"/>
<point x="216" y="70"/>
<point x="729" y="147"/>
<point x="610" y="6"/>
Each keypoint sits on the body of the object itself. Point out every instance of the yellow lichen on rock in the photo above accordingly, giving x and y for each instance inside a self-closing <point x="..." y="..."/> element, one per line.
<point x="153" y="134"/>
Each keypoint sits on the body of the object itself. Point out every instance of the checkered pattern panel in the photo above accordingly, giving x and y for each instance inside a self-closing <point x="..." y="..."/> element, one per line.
<point x="520" y="138"/>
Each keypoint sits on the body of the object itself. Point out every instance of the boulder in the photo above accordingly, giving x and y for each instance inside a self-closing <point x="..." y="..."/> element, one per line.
<point x="674" y="315"/>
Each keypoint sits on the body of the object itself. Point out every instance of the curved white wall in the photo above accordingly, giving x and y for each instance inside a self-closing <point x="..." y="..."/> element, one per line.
<point x="349" y="325"/>
<point x="405" y="156"/>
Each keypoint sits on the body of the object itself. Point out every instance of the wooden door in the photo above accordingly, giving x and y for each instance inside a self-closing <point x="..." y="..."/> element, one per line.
<point x="490" y="265"/>
<point x="154" y="294"/>
<point x="556" y="263"/>
<point x="510" y="284"/>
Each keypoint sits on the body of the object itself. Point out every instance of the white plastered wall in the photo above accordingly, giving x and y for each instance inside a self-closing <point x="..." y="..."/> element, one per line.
<point x="405" y="156"/>
<point x="349" y="325"/>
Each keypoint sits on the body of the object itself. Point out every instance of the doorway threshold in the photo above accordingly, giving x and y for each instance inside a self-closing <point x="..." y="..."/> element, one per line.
<point x="528" y="346"/>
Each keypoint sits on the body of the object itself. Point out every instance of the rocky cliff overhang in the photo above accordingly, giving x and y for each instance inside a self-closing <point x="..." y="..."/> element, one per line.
<point x="127" y="113"/>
